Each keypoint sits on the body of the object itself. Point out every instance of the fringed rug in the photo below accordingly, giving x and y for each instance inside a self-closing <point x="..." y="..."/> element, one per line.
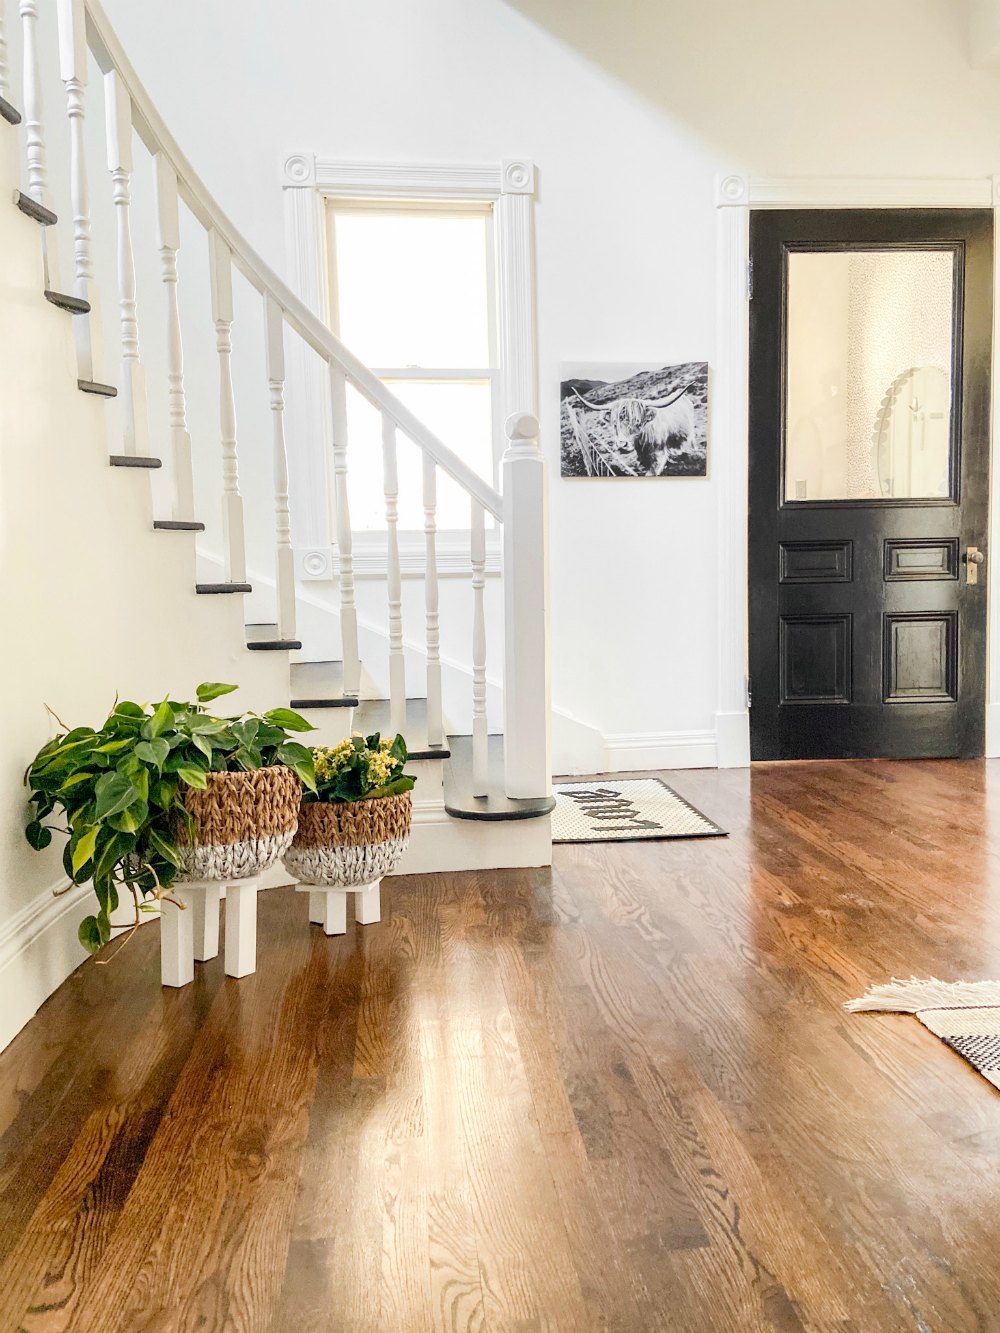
<point x="964" y="1014"/>
<point x="609" y="810"/>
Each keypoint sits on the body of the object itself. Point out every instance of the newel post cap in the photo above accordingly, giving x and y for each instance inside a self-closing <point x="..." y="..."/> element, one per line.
<point x="521" y="429"/>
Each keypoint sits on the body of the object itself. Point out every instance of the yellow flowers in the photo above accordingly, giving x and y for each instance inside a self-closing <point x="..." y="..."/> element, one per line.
<point x="360" y="766"/>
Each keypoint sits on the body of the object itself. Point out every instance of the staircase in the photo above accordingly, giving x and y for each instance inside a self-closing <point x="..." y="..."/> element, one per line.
<point x="482" y="800"/>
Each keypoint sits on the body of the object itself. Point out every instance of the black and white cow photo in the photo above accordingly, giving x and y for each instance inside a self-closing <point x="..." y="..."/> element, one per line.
<point x="653" y="423"/>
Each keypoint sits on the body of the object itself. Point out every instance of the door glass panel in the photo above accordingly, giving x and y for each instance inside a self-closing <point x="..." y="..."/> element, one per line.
<point x="868" y="374"/>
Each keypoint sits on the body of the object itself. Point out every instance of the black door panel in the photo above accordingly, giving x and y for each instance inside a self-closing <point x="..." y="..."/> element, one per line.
<point x="869" y="482"/>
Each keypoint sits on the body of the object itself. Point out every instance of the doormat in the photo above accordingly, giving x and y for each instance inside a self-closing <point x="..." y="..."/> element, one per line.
<point x="964" y="1014"/>
<point x="613" y="811"/>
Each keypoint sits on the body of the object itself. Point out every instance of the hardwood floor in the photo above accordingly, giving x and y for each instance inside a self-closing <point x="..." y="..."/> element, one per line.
<point x="621" y="1095"/>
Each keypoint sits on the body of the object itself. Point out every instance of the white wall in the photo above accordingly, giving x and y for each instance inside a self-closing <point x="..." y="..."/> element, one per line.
<point x="629" y="111"/>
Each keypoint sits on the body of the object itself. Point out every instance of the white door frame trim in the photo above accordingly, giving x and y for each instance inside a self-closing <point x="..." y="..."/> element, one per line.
<point x="307" y="181"/>
<point x="735" y="195"/>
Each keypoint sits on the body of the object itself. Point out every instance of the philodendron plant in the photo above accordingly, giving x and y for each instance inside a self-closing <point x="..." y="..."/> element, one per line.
<point x="120" y="789"/>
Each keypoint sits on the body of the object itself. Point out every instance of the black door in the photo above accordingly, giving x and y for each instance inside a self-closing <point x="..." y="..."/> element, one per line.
<point x="870" y="344"/>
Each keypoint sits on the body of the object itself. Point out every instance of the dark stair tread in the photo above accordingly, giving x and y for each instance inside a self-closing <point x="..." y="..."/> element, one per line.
<point x="222" y="587"/>
<point x="33" y="209"/>
<point x="496" y="805"/>
<point x="176" y="525"/>
<point x="320" y="685"/>
<point x="9" y="112"/>
<point x="134" y="460"/>
<point x="266" y="639"/>
<point x="95" y="387"/>
<point x="373" y="715"/>
<point x="74" y="304"/>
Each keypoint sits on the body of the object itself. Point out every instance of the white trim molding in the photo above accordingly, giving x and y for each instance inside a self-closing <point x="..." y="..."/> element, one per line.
<point x="307" y="181"/>
<point x="39" y="948"/>
<point x="735" y="195"/>
<point x="627" y="752"/>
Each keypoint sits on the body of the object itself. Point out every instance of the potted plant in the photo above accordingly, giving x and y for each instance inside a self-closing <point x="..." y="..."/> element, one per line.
<point x="165" y="792"/>
<point x="354" y="827"/>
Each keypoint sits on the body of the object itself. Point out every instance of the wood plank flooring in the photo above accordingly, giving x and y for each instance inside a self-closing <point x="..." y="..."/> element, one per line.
<point x="621" y="1095"/>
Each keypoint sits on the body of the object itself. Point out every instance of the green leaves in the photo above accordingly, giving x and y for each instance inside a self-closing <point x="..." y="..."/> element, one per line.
<point x="121" y="789"/>
<point x="84" y="849"/>
<point x="213" y="689"/>
<point x="153" y="752"/>
<point x="158" y="723"/>
<point x="289" y="720"/>
<point x="114" y="792"/>
<point x="300" y="760"/>
<point x="38" y="835"/>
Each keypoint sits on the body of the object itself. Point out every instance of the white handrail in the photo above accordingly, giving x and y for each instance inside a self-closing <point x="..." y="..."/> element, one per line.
<point x="151" y="129"/>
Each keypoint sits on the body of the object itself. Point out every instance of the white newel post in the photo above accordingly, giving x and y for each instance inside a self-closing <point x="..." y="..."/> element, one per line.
<point x="527" y="740"/>
<point x="435" y="718"/>
<point x="133" y="385"/>
<point x="284" y="560"/>
<point x="480" y="731"/>
<point x="73" y="71"/>
<point x="234" y="540"/>
<point x="345" y="539"/>
<point x="394" y="581"/>
<point x="169" y="236"/>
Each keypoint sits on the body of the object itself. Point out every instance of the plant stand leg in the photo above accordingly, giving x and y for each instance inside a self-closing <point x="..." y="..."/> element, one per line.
<point x="205" y="910"/>
<point x="334" y="920"/>
<point x="368" y="903"/>
<point x="241" y="927"/>
<point x="317" y="906"/>
<point x="176" y="939"/>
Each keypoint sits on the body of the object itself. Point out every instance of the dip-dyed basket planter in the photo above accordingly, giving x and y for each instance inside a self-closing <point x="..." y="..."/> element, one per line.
<point x="339" y="844"/>
<point x="243" y="822"/>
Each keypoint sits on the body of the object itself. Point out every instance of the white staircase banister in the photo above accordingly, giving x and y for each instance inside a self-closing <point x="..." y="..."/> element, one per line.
<point x="150" y="128"/>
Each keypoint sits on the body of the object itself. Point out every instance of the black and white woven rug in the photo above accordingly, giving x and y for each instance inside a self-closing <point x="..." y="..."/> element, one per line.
<point x="964" y="1014"/>
<point x="612" y="810"/>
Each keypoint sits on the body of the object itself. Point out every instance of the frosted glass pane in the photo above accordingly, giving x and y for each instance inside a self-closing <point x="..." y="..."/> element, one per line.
<point x="868" y="373"/>
<point x="459" y="414"/>
<point x="412" y="290"/>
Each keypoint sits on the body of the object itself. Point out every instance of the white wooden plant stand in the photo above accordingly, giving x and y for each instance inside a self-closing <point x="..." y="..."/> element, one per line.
<point x="328" y="906"/>
<point x="191" y="934"/>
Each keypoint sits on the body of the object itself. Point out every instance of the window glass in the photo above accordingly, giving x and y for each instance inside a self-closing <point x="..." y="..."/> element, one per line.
<point x="868" y="374"/>
<point x="411" y="289"/>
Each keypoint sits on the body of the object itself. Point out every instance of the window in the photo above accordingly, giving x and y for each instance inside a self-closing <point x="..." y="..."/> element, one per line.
<point x="412" y="294"/>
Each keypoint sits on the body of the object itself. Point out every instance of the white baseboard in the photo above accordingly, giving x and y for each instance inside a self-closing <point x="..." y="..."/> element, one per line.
<point x="38" y="950"/>
<point x="627" y="752"/>
<point x="733" y="732"/>
<point x="438" y="842"/>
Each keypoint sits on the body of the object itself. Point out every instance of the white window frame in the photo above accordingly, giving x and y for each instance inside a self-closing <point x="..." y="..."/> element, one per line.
<point x="308" y="182"/>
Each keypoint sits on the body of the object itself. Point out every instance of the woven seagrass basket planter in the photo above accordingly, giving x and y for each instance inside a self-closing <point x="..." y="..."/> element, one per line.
<point x="343" y="843"/>
<point x="242" y="823"/>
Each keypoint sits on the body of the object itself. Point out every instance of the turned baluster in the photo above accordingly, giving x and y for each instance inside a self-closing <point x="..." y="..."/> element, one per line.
<point x="4" y="57"/>
<point x="480" y="736"/>
<point x="345" y="543"/>
<point x="435" y="720"/>
<point x="37" y="186"/>
<point x="234" y="540"/>
<point x="394" y="582"/>
<point x="169" y="237"/>
<point x="73" y="72"/>
<point x="284" y="557"/>
<point x="34" y="130"/>
<point x="133" y="385"/>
